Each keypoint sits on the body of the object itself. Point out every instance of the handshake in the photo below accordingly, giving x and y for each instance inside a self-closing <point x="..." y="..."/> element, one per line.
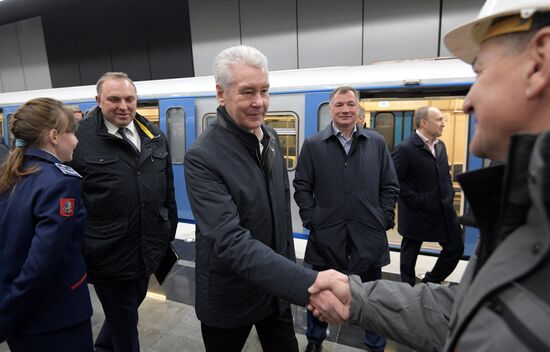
<point x="330" y="297"/>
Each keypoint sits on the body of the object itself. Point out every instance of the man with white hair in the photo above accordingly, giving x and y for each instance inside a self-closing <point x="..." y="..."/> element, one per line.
<point x="238" y="188"/>
<point x="503" y="300"/>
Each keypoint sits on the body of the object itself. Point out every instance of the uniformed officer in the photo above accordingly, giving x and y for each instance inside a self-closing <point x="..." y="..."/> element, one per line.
<point x="44" y="298"/>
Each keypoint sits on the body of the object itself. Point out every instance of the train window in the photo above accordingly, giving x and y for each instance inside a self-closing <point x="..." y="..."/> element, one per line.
<point x="175" y="126"/>
<point x="208" y="120"/>
<point x="151" y="113"/>
<point x="284" y="124"/>
<point x="2" y="126"/>
<point x="323" y="116"/>
<point x="384" y="122"/>
<point x="11" y="137"/>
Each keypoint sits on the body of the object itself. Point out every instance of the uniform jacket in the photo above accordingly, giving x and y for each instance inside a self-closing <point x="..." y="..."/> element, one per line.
<point x="503" y="300"/>
<point x="245" y="248"/>
<point x="426" y="193"/>
<point x="42" y="271"/>
<point x="346" y="201"/>
<point x="131" y="210"/>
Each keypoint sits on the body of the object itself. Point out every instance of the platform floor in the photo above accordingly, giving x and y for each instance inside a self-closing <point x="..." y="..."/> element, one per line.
<point x="167" y="316"/>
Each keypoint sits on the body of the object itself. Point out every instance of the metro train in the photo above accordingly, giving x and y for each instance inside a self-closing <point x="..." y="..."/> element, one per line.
<point x="390" y="92"/>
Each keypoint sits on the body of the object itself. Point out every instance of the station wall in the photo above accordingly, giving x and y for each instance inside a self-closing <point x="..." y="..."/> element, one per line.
<point x="156" y="39"/>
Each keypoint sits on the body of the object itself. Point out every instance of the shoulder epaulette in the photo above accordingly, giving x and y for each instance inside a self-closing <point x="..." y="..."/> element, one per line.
<point x="67" y="170"/>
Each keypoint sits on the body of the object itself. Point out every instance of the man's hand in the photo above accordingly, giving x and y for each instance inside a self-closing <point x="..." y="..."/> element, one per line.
<point x="330" y="297"/>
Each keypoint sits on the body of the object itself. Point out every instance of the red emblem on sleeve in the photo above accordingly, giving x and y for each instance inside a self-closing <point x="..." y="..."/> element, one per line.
<point x="66" y="207"/>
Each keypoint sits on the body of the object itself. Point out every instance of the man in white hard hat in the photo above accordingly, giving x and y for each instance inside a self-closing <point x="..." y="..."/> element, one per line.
<point x="503" y="300"/>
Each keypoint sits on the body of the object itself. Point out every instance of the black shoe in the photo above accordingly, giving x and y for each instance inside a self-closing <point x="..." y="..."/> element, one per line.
<point x="311" y="347"/>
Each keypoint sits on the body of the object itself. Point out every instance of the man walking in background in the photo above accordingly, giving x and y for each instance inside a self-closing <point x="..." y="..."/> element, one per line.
<point x="426" y="195"/>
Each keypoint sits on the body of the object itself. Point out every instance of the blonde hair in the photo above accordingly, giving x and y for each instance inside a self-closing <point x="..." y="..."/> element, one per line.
<point x="29" y="125"/>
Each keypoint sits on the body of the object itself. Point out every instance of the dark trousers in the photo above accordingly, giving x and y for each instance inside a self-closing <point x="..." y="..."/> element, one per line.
<point x="317" y="330"/>
<point x="276" y="334"/>
<point x="74" y="338"/>
<point x="444" y="266"/>
<point x="120" y="301"/>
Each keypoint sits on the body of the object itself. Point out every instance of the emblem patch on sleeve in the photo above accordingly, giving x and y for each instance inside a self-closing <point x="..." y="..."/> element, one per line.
<point x="66" y="207"/>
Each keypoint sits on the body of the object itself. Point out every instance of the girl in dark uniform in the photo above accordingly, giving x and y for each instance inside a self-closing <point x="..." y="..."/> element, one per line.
<point x="44" y="299"/>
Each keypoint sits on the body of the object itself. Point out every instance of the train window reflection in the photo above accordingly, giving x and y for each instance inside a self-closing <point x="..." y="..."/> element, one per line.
<point x="284" y="124"/>
<point x="10" y="135"/>
<point x="208" y="120"/>
<point x="151" y="113"/>
<point x="175" y="127"/>
<point x="323" y="116"/>
<point x="384" y="122"/>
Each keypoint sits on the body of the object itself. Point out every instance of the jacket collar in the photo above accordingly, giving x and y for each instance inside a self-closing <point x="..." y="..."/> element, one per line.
<point x="41" y="154"/>
<point x="502" y="188"/>
<point x="328" y="132"/>
<point x="522" y="187"/>
<point x="226" y="122"/>
<point x="249" y="140"/>
<point x="419" y="143"/>
<point x="144" y="127"/>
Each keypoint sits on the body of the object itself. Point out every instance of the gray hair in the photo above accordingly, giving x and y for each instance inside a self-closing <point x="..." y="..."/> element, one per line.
<point x="112" y="75"/>
<point x="420" y="114"/>
<point x="236" y="54"/>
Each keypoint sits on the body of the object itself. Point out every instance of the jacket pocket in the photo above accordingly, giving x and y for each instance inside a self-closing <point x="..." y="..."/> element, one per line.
<point x="105" y="187"/>
<point x="101" y="159"/>
<point x="371" y="216"/>
<point x="104" y="241"/>
<point x="514" y="323"/>
<point x="159" y="159"/>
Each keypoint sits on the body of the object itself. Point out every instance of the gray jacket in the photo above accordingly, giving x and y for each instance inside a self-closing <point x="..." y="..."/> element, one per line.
<point x="503" y="300"/>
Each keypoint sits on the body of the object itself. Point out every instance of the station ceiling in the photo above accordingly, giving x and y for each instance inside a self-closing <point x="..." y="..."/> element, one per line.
<point x="16" y="10"/>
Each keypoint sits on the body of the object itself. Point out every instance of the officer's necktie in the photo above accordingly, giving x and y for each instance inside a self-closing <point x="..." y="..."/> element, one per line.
<point x="122" y="132"/>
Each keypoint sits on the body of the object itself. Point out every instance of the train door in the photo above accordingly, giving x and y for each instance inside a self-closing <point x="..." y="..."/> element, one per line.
<point x="315" y="118"/>
<point x="87" y="107"/>
<point x="317" y="113"/>
<point x="177" y="121"/>
<point x="472" y="163"/>
<point x="395" y="126"/>
<point x="394" y="119"/>
<point x="286" y="112"/>
<point x="2" y="129"/>
<point x="205" y="109"/>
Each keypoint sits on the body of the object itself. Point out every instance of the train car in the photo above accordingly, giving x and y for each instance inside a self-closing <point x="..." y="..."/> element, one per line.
<point x="390" y="92"/>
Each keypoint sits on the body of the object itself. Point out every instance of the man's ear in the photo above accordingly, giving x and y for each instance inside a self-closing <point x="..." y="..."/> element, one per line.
<point x="538" y="77"/>
<point x="97" y="100"/>
<point x="220" y="94"/>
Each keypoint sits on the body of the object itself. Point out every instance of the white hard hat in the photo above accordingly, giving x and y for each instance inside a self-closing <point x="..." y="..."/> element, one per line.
<point x="464" y="40"/>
